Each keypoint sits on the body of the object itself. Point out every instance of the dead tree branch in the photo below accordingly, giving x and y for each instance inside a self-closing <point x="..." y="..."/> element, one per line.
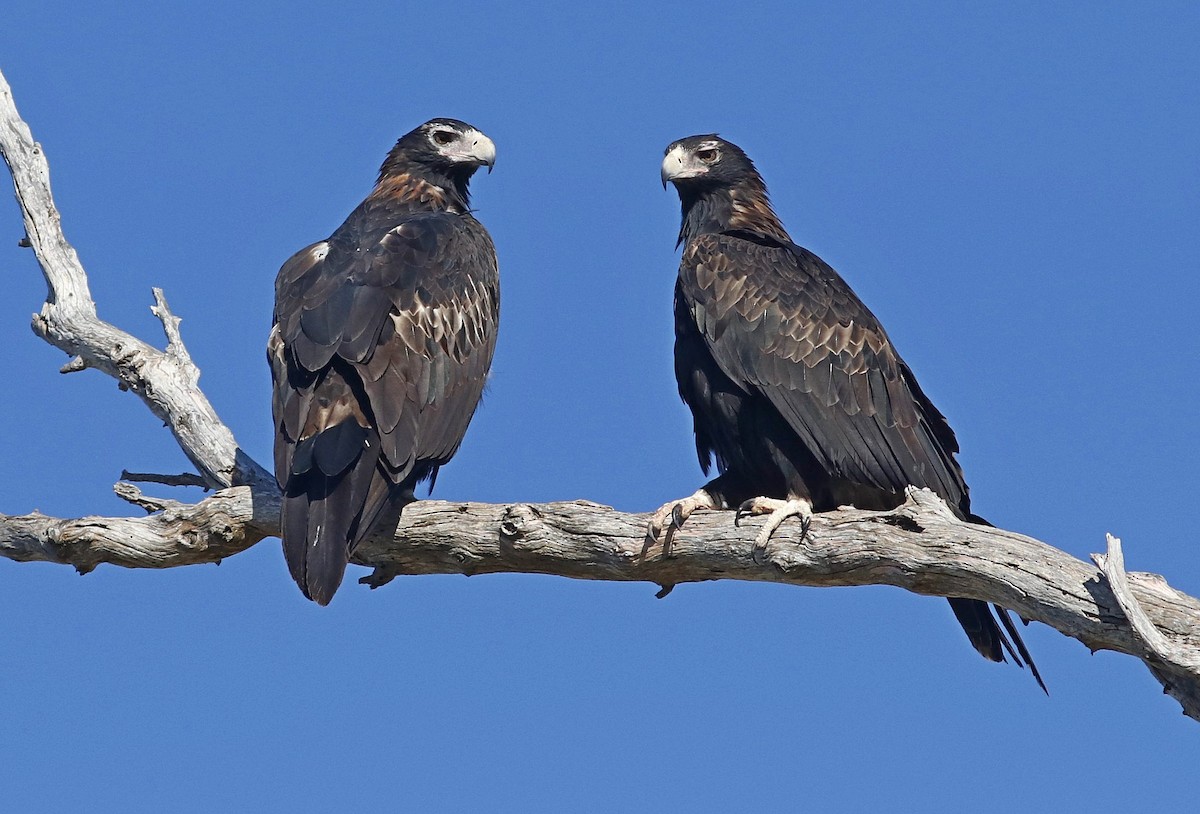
<point x="166" y="381"/>
<point x="920" y="546"/>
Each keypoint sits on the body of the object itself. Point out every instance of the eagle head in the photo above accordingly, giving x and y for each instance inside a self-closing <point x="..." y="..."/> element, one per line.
<point x="719" y="189"/>
<point x="441" y="150"/>
<point x="707" y="161"/>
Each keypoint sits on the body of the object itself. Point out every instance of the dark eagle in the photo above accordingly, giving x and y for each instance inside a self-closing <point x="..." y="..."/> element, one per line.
<point x="383" y="335"/>
<point x="794" y="387"/>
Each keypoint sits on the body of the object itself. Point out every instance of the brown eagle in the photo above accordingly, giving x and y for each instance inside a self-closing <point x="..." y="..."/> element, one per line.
<point x="383" y="335"/>
<point x="794" y="387"/>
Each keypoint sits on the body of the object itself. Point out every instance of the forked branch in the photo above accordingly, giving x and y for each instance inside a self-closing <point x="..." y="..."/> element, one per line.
<point x="920" y="546"/>
<point x="166" y="381"/>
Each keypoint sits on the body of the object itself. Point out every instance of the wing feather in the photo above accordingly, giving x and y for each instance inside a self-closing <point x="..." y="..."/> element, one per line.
<point x="382" y="342"/>
<point x="781" y="322"/>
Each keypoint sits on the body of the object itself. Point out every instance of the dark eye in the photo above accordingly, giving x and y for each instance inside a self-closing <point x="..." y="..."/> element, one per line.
<point x="707" y="156"/>
<point x="442" y="137"/>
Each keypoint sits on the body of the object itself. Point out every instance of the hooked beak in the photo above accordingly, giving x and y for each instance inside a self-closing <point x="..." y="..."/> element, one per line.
<point x="473" y="149"/>
<point x="678" y="164"/>
<point x="482" y="151"/>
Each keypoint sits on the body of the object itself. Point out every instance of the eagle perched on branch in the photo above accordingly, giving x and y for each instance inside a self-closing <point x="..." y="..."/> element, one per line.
<point x="794" y="387"/>
<point x="382" y="340"/>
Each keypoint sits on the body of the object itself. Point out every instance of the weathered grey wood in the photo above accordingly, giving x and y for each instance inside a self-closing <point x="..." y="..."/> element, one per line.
<point x="166" y="381"/>
<point x="920" y="546"/>
<point x="1175" y="665"/>
<point x="176" y="534"/>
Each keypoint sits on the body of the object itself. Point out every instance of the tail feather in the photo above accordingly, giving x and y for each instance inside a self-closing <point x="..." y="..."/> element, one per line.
<point x="987" y="637"/>
<point x="976" y="619"/>
<point x="1007" y="621"/>
<point x="325" y="516"/>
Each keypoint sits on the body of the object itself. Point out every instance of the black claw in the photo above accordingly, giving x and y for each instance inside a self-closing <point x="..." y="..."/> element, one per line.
<point x="805" y="523"/>
<point x="664" y="590"/>
<point x="677" y="516"/>
<point x="744" y="509"/>
<point x="668" y="539"/>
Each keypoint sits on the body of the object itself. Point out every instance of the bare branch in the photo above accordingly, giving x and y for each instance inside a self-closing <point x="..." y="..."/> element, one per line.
<point x="177" y="534"/>
<point x="182" y="479"/>
<point x="166" y="382"/>
<point x="131" y="494"/>
<point x="175" y="346"/>
<point x="1173" y="665"/>
<point x="76" y="364"/>
<point x="920" y="546"/>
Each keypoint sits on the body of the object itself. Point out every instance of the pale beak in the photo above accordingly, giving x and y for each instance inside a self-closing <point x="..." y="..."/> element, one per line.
<point x="482" y="150"/>
<point x="673" y="166"/>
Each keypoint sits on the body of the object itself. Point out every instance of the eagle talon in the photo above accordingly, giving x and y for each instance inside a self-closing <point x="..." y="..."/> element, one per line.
<point x="669" y="539"/>
<point x="670" y="518"/>
<point x="777" y="511"/>
<point x="677" y="516"/>
<point x="745" y="508"/>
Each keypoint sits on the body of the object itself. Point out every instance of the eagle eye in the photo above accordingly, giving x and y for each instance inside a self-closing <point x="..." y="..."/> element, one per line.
<point x="442" y="137"/>
<point x="708" y="156"/>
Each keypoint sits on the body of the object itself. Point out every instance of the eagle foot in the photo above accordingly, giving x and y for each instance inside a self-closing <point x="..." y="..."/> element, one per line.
<point x="671" y="517"/>
<point x="777" y="511"/>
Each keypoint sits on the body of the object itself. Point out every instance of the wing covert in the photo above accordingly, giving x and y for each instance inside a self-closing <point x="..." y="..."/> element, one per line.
<point x="408" y="314"/>
<point x="780" y="322"/>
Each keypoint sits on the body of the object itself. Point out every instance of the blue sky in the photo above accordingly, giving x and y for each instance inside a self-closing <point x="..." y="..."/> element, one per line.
<point x="1013" y="189"/>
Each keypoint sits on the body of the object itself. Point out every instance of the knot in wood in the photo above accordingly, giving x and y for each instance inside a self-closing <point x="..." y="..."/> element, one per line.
<point x="518" y="526"/>
<point x="193" y="539"/>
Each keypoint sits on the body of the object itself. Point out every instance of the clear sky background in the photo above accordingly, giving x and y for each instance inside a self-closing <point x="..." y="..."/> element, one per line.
<point x="1012" y="188"/>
